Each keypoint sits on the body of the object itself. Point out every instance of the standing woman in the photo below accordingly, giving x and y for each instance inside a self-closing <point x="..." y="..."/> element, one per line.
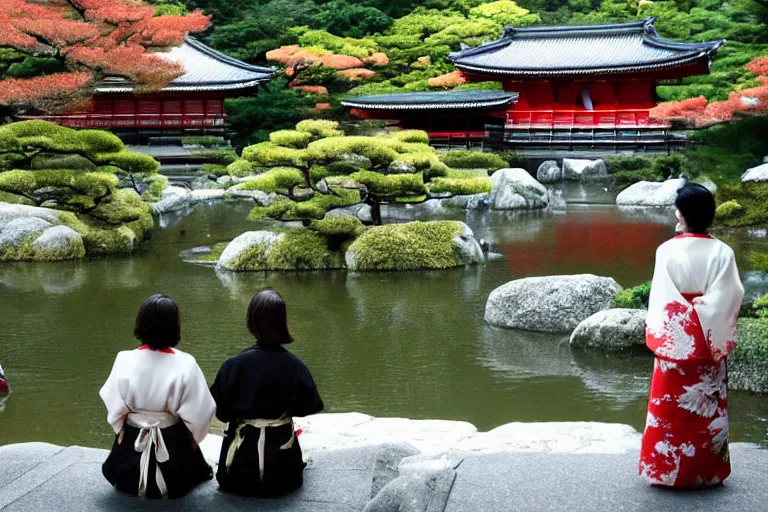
<point x="258" y="392"/>
<point x="160" y="408"/>
<point x="695" y="298"/>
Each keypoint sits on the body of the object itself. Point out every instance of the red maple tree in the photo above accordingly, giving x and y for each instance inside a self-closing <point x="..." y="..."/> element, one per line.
<point x="89" y="38"/>
<point x="698" y="113"/>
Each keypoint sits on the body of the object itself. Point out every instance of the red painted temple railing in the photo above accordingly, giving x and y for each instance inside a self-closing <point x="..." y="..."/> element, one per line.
<point x="136" y="121"/>
<point x="552" y="119"/>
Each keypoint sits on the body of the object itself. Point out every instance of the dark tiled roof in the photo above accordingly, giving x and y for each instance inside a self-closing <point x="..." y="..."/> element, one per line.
<point x="206" y="69"/>
<point x="447" y="100"/>
<point x="582" y="49"/>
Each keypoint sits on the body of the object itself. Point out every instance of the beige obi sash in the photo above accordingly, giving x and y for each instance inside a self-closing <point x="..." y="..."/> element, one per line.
<point x="151" y="424"/>
<point x="262" y="425"/>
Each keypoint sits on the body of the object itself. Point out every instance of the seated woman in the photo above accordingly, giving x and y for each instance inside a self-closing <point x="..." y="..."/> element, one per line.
<point x="160" y="408"/>
<point x="258" y="392"/>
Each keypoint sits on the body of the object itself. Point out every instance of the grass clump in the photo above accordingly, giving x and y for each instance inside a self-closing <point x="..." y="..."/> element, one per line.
<point x="748" y="363"/>
<point x="411" y="246"/>
<point x="473" y="160"/>
<point x="633" y="298"/>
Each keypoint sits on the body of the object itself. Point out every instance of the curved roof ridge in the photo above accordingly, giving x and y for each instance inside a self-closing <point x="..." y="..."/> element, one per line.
<point x="216" y="54"/>
<point x="570" y="30"/>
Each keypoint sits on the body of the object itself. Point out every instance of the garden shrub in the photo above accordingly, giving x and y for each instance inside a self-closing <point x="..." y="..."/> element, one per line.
<point x="418" y="136"/>
<point x="125" y="206"/>
<point x="240" y="168"/>
<point x="314" y="208"/>
<point x="753" y="198"/>
<point x="128" y="161"/>
<point x="219" y="156"/>
<point x="320" y="128"/>
<point x="623" y="179"/>
<point x="215" y="169"/>
<point x="473" y="160"/>
<point x="411" y="246"/>
<point x="376" y="149"/>
<point x="318" y="172"/>
<point x="206" y="142"/>
<point x="617" y="164"/>
<point x="275" y="179"/>
<point x="633" y="298"/>
<point x="728" y="210"/>
<point x="748" y="363"/>
<point x="461" y="186"/>
<point x="669" y="165"/>
<point x="290" y="138"/>
<point x="53" y="161"/>
<point x="94" y="184"/>
<point x="414" y="162"/>
<point x="513" y="159"/>
<point x="391" y="185"/>
<point x="267" y="154"/>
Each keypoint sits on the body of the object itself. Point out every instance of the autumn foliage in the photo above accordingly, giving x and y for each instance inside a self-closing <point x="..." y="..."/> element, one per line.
<point x="89" y="38"/>
<point x="697" y="113"/>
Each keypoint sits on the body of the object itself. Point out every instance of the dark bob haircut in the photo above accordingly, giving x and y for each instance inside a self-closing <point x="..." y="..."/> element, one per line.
<point x="267" y="319"/>
<point x="697" y="205"/>
<point x="158" y="323"/>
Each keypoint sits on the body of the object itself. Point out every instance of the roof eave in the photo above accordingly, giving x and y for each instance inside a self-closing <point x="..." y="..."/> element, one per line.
<point x="191" y="87"/>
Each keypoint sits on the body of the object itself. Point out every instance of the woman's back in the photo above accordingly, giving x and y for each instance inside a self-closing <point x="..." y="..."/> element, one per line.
<point x="694" y="262"/>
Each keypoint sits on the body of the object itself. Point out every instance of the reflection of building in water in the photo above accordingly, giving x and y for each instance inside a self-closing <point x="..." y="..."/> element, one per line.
<point x="5" y="390"/>
<point x="586" y="242"/>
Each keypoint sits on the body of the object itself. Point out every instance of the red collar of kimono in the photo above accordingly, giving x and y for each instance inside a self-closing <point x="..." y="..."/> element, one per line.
<point x="693" y="235"/>
<point x="166" y="350"/>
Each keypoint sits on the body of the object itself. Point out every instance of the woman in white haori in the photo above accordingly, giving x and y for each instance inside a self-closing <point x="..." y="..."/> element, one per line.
<point x="694" y="304"/>
<point x="160" y="408"/>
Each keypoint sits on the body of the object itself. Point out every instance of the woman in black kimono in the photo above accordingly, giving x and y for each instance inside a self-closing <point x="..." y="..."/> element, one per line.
<point x="258" y="392"/>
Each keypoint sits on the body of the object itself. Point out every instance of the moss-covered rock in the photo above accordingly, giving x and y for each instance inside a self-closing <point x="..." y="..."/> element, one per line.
<point x="155" y="186"/>
<point x="748" y="363"/>
<point x="320" y="128"/>
<point x="338" y="228"/>
<point x="267" y="154"/>
<point x="460" y="186"/>
<point x="753" y="199"/>
<point x="291" y="138"/>
<point x="292" y="249"/>
<point x="27" y="182"/>
<point x="53" y="161"/>
<point x="8" y="197"/>
<point x="30" y="233"/>
<point x="411" y="246"/>
<point x="240" y="168"/>
<point x="473" y="160"/>
<point x="279" y="178"/>
<point x="128" y="161"/>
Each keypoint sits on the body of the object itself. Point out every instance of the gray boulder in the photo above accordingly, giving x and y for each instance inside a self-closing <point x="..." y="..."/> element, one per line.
<point x="58" y="243"/>
<point x="549" y="304"/>
<point x="578" y="170"/>
<point x="549" y="172"/>
<point x="174" y="199"/>
<point x="420" y="491"/>
<point x="206" y="194"/>
<point x="515" y="189"/>
<point x="756" y="174"/>
<point x="361" y="211"/>
<point x="648" y="193"/>
<point x="258" y="196"/>
<point x="470" y="202"/>
<point x="17" y="230"/>
<point x="467" y="247"/>
<point x="613" y="329"/>
<point x="9" y="212"/>
<point x="236" y="256"/>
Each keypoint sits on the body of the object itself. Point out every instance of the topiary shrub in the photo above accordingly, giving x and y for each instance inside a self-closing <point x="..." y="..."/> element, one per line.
<point x="669" y="165"/>
<point x="290" y="138"/>
<point x="278" y="178"/>
<point x="338" y="228"/>
<point x="377" y="149"/>
<point x="633" y="298"/>
<point x="314" y="208"/>
<point x="461" y="186"/>
<point x="267" y="154"/>
<point x="472" y="160"/>
<point x="414" y="162"/>
<point x="728" y="210"/>
<point x="128" y="161"/>
<point x="411" y="246"/>
<point x="418" y="136"/>
<point x="320" y="128"/>
<point x="391" y="185"/>
<point x="53" y="161"/>
<point x="240" y="168"/>
<point x="617" y="164"/>
<point x="94" y="184"/>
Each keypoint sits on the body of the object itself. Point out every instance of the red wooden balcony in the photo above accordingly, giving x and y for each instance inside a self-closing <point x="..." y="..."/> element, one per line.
<point x="554" y="119"/>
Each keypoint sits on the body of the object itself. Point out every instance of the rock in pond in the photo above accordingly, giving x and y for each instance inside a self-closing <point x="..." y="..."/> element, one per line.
<point x="549" y="172"/>
<point x="577" y="170"/>
<point x="174" y="199"/>
<point x="362" y="212"/>
<point x="414" y="246"/>
<point x="515" y="189"/>
<point x="756" y="174"/>
<point x="243" y="248"/>
<point x="549" y="304"/>
<point x="30" y="233"/>
<point x="612" y="329"/>
<point x="648" y="193"/>
<point x="58" y="243"/>
<point x="258" y="196"/>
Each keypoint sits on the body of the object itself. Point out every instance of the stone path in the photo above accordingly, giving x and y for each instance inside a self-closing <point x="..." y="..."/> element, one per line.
<point x="360" y="463"/>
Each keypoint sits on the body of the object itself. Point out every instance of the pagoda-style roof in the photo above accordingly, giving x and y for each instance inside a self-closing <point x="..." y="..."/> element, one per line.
<point x="580" y="50"/>
<point x="447" y="100"/>
<point x="205" y="69"/>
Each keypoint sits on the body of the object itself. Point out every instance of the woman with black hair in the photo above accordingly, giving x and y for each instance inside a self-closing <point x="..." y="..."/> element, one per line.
<point x="257" y="393"/>
<point x="695" y="298"/>
<point x="160" y="408"/>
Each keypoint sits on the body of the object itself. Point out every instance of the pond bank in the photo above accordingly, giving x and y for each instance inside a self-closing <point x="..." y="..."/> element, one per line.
<point x="360" y="463"/>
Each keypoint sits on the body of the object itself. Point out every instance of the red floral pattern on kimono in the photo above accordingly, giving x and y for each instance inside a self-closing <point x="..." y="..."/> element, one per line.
<point x="685" y="443"/>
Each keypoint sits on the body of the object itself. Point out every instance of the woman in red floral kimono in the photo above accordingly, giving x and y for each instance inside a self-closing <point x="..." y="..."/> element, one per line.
<point x="691" y="328"/>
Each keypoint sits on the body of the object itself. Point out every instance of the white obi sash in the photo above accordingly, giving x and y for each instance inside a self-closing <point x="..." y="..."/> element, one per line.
<point x="262" y="425"/>
<point x="151" y="424"/>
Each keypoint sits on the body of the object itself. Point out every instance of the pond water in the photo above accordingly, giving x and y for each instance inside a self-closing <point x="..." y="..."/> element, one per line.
<point x="389" y="344"/>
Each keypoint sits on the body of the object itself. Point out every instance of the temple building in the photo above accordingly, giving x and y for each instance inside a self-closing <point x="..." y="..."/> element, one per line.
<point x="569" y="87"/>
<point x="192" y="104"/>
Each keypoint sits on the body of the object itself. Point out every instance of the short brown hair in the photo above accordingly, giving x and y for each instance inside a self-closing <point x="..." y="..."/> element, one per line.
<point x="267" y="319"/>
<point x="158" y="323"/>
